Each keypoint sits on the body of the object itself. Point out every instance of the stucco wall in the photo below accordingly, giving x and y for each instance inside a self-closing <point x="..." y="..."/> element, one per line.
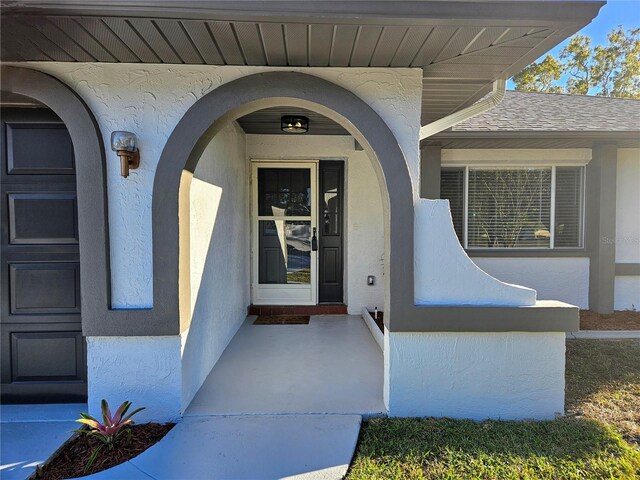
<point x="364" y="240"/>
<point x="565" y="279"/>
<point x="149" y="100"/>
<point x="143" y="370"/>
<point x="511" y="375"/>
<point x="219" y="262"/>
<point x="627" y="288"/>
<point x="628" y="206"/>
<point x="627" y="293"/>
<point x="445" y="275"/>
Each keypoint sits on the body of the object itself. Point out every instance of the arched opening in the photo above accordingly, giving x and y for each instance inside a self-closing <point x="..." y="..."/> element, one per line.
<point x="49" y="248"/>
<point x="231" y="101"/>
<point x="178" y="176"/>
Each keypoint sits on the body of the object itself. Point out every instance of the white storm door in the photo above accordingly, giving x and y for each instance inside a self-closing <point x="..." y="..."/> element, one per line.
<point x="284" y="264"/>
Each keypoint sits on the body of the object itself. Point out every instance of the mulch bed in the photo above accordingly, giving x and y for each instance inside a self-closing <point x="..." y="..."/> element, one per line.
<point x="282" y="320"/>
<point x="621" y="320"/>
<point x="379" y="321"/>
<point x="70" y="460"/>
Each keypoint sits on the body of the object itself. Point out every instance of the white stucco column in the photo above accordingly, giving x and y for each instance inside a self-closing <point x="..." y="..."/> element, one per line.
<point x="144" y="370"/>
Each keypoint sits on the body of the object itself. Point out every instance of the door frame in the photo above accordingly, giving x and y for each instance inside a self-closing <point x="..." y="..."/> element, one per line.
<point x="290" y="294"/>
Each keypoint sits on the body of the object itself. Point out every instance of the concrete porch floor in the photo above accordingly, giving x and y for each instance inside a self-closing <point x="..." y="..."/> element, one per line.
<point x="332" y="365"/>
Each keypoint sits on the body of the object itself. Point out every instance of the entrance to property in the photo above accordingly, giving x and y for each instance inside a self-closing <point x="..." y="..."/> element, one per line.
<point x="43" y="350"/>
<point x="297" y="230"/>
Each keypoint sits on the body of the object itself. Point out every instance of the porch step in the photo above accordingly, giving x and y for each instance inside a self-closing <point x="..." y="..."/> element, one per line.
<point x="322" y="309"/>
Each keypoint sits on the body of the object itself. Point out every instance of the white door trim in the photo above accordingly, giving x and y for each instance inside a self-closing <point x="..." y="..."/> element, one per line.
<point x="275" y="294"/>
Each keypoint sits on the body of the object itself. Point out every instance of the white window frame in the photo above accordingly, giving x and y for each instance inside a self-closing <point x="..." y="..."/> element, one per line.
<point x="552" y="217"/>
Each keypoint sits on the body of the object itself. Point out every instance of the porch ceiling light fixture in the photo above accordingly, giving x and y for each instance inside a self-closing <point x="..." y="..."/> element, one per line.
<point x="294" y="124"/>
<point x="125" y="144"/>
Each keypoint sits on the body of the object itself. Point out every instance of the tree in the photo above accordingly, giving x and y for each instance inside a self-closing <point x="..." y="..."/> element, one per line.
<point x="611" y="70"/>
<point x="540" y="77"/>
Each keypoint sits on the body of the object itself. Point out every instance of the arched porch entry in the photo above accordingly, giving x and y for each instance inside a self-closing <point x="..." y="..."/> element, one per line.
<point x="230" y="101"/>
<point x="53" y="245"/>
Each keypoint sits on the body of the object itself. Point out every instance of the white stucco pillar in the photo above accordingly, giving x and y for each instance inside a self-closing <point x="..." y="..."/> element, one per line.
<point x="143" y="370"/>
<point x="476" y="375"/>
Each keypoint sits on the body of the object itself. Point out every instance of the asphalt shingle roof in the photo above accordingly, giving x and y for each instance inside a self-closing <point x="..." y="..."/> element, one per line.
<point x="549" y="112"/>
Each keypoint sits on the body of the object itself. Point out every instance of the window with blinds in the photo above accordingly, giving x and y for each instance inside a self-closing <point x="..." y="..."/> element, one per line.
<point x="452" y="189"/>
<point x="516" y="207"/>
<point x="569" y="213"/>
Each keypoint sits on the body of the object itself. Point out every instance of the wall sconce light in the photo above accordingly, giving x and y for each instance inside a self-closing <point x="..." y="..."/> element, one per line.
<point x="294" y="124"/>
<point x="125" y="145"/>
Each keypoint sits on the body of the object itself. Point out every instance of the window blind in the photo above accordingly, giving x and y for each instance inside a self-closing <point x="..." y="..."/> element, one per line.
<point x="452" y="189"/>
<point x="509" y="208"/>
<point x="568" y="207"/>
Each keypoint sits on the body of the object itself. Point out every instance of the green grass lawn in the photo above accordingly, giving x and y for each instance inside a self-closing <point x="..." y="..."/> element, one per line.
<point x="603" y="395"/>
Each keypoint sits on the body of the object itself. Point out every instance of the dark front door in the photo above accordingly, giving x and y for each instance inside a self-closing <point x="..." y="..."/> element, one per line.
<point x="42" y="348"/>
<point x="331" y="230"/>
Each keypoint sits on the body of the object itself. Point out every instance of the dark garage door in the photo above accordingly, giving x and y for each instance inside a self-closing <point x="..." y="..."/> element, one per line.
<point x="43" y="351"/>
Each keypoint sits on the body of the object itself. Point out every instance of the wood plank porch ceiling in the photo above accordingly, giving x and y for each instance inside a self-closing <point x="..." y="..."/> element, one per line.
<point x="462" y="47"/>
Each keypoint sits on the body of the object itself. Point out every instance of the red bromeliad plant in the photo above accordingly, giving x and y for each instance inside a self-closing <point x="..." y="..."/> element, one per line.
<point x="110" y="430"/>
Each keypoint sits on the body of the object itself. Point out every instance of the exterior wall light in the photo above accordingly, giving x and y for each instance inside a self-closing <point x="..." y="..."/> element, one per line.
<point x="294" y="124"/>
<point x="125" y="145"/>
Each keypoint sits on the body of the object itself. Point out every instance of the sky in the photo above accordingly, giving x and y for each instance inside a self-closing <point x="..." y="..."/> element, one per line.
<point x="614" y="13"/>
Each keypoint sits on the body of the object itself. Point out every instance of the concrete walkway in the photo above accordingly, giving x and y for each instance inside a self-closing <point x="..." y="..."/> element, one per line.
<point x="283" y="401"/>
<point x="31" y="433"/>
<point x="260" y="447"/>
<point x="331" y="365"/>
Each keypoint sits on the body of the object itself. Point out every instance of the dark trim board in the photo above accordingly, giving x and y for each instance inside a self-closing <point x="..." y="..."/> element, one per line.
<point x="182" y="151"/>
<point x="91" y="186"/>
<point x="544" y="317"/>
<point x="525" y="253"/>
<point x="362" y="12"/>
<point x="627" y="269"/>
<point x="254" y="92"/>
<point x="600" y="224"/>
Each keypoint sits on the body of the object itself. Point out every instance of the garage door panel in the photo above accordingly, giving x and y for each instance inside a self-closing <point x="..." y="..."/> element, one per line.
<point x="43" y="218"/>
<point x="25" y="155"/>
<point x="44" y="288"/>
<point x="42" y="356"/>
<point x="35" y="357"/>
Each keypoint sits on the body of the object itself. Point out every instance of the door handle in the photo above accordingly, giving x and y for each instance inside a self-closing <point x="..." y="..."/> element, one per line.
<point x="314" y="241"/>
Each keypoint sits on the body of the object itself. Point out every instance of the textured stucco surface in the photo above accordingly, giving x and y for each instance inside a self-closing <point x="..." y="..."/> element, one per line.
<point x="150" y="100"/>
<point x="219" y="255"/>
<point x="628" y="206"/>
<point x="445" y="275"/>
<point x="627" y="293"/>
<point x="510" y="375"/>
<point x="364" y="239"/>
<point x="143" y="370"/>
<point x="564" y="279"/>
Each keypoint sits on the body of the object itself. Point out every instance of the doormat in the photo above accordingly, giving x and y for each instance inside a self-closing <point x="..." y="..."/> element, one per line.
<point x="282" y="320"/>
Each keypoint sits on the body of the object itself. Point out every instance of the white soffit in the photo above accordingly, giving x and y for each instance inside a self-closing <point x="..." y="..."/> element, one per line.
<point x="462" y="46"/>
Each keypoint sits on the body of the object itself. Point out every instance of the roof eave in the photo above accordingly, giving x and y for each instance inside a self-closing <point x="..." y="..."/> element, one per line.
<point x="472" y="12"/>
